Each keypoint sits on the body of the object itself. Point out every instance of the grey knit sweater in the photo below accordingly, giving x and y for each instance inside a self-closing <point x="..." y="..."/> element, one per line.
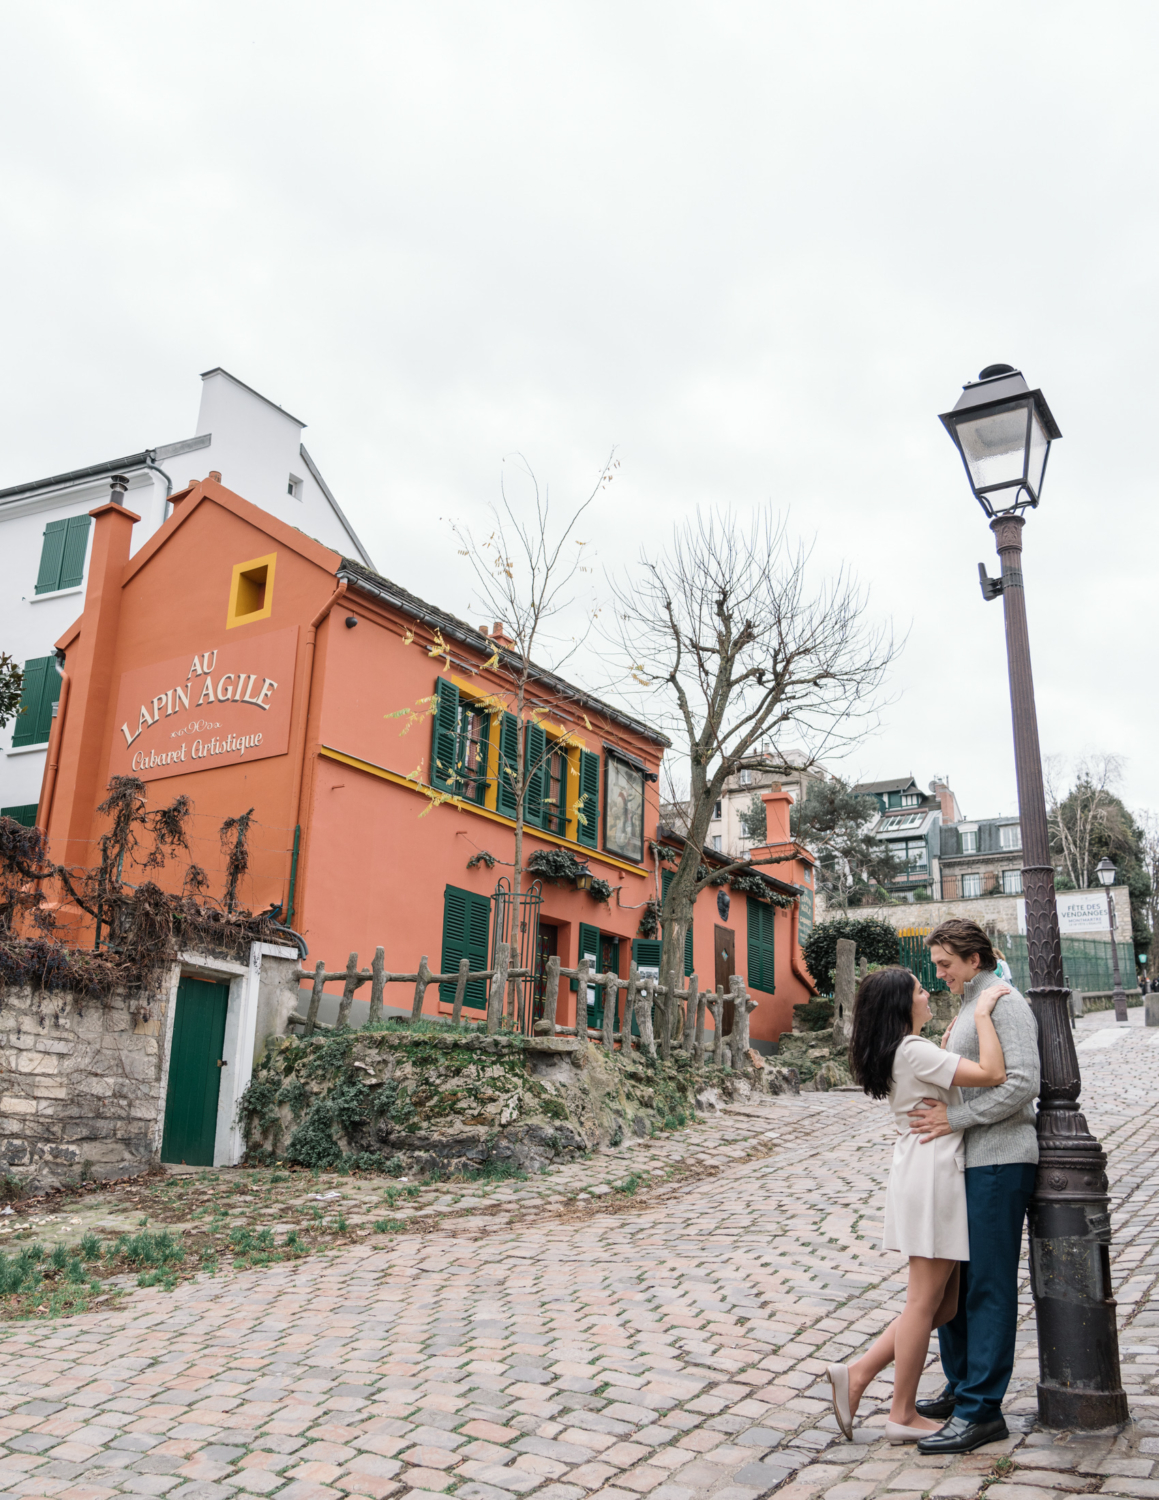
<point x="999" y="1122"/>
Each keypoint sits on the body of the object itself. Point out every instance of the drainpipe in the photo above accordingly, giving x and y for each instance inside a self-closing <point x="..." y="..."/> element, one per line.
<point x="300" y="758"/>
<point x="56" y="735"/>
<point x="795" y="948"/>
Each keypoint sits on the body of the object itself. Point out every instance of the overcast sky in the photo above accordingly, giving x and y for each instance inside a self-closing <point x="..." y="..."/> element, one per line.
<point x="755" y="247"/>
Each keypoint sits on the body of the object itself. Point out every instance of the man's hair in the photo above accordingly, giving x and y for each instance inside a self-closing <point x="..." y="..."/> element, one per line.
<point x="964" y="938"/>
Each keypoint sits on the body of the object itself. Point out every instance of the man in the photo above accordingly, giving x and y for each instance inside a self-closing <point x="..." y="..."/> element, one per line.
<point x="977" y="1344"/>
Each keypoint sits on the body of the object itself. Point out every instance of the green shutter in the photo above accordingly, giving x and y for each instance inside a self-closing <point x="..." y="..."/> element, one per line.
<point x="466" y="934"/>
<point x="762" y="973"/>
<point x="24" y="814"/>
<point x="445" y="735"/>
<point x="589" y="947"/>
<point x="646" y="952"/>
<point x="535" y="776"/>
<point x="41" y="690"/>
<point x="76" y="542"/>
<point x="588" y="821"/>
<point x="508" y="762"/>
<point x="665" y="881"/>
<point x="51" y="557"/>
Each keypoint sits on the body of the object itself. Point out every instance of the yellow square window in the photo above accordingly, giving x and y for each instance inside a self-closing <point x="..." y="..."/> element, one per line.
<point x="251" y="591"/>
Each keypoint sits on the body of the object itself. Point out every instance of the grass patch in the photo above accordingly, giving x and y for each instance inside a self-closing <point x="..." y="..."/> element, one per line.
<point x="389" y="1226"/>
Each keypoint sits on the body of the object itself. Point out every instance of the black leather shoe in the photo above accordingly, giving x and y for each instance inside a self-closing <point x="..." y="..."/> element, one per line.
<point x="937" y="1407"/>
<point x="960" y="1436"/>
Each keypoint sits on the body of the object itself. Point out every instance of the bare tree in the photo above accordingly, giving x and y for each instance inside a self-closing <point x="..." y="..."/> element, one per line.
<point x="1078" y="817"/>
<point x="1149" y="823"/>
<point x="730" y="648"/>
<point x="525" y="571"/>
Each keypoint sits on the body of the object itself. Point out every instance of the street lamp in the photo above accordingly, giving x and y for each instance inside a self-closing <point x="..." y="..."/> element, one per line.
<point x="1003" y="431"/>
<point x="1105" y="870"/>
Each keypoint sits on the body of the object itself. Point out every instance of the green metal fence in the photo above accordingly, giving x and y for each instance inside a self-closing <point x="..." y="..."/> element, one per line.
<point x="1086" y="962"/>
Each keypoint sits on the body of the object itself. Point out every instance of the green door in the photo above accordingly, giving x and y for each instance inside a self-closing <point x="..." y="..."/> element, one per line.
<point x="194" y="1072"/>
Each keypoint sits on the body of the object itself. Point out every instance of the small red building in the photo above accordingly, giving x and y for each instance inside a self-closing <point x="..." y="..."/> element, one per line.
<point x="237" y="661"/>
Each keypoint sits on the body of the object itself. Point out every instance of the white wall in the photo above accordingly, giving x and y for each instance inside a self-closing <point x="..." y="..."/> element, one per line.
<point x="252" y="443"/>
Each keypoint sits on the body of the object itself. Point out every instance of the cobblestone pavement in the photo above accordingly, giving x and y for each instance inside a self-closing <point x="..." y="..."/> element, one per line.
<point x="670" y="1346"/>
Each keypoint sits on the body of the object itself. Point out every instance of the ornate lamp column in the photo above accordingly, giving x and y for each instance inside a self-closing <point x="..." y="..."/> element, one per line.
<point x="1004" y="431"/>
<point x="1105" y="870"/>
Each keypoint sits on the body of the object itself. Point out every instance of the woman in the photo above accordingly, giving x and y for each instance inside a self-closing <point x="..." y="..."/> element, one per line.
<point x="925" y="1203"/>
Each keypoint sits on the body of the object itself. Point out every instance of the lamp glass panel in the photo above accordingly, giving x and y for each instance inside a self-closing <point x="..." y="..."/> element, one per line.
<point x="1105" y="873"/>
<point x="1039" y="443"/>
<point x="994" y="446"/>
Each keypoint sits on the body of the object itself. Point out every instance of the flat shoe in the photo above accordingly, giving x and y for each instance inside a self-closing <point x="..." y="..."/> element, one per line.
<point x="898" y="1432"/>
<point x="839" y="1380"/>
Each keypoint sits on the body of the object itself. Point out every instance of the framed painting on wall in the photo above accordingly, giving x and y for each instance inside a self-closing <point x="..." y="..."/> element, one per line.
<point x="624" y="810"/>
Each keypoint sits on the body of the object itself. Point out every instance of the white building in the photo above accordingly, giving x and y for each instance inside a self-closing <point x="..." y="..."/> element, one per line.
<point x="255" y="446"/>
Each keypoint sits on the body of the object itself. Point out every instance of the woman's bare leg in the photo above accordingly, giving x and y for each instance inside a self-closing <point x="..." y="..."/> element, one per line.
<point x="932" y="1300"/>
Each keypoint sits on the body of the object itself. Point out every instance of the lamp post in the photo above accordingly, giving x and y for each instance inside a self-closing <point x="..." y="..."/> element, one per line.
<point x="1105" y="870"/>
<point x="1003" y="431"/>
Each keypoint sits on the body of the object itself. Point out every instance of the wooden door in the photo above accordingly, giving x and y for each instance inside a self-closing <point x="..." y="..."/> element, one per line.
<point x="195" y="1064"/>
<point x="725" y="953"/>
<point x="547" y="947"/>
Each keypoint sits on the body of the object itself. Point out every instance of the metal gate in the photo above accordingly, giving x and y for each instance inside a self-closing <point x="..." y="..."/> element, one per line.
<point x="522" y="930"/>
<point x="915" y="956"/>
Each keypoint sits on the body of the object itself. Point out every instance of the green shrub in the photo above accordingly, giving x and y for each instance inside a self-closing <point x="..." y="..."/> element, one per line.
<point x="877" y="942"/>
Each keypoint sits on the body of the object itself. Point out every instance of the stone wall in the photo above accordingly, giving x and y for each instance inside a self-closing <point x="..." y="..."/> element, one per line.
<point x="83" y="1083"/>
<point x="997" y="911"/>
<point x="79" y="1087"/>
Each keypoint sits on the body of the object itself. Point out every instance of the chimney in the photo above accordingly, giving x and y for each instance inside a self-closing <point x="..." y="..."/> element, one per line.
<point x="947" y="801"/>
<point x="82" y="753"/>
<point x="777" y="804"/>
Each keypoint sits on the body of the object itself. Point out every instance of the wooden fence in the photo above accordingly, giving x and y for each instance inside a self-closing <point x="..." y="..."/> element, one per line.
<point x="681" y="1013"/>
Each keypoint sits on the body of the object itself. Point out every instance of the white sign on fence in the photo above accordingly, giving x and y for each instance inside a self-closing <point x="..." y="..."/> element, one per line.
<point x="1078" y="911"/>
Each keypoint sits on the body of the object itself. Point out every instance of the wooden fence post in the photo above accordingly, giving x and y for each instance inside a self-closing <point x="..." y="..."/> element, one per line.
<point x="716" y="1005"/>
<point x="424" y="978"/>
<point x="353" y="980"/>
<point x="498" y="989"/>
<point x="551" y="993"/>
<point x="742" y="1003"/>
<point x="701" y="1007"/>
<point x="315" y="997"/>
<point x="688" y="1038"/>
<point x="581" y="998"/>
<point x="460" y="991"/>
<point x="611" y="994"/>
<point x="377" y="985"/>
<point x="647" y="1035"/>
<point x="629" y="1013"/>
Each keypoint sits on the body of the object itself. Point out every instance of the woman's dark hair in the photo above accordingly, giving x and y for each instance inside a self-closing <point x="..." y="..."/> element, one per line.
<point x="883" y="1016"/>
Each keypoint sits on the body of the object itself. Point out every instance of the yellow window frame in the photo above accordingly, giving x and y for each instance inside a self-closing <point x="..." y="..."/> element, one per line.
<point x="243" y="588"/>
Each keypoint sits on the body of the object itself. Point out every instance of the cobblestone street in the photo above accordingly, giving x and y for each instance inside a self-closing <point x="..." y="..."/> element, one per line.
<point x="671" y="1346"/>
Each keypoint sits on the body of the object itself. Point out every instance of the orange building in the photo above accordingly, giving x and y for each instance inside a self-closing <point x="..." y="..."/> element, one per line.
<point x="239" y="662"/>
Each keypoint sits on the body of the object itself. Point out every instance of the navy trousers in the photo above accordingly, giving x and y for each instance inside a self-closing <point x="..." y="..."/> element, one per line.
<point x="977" y="1344"/>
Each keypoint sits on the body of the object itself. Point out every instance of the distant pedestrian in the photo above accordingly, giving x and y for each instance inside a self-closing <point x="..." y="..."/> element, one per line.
<point x="1004" y="971"/>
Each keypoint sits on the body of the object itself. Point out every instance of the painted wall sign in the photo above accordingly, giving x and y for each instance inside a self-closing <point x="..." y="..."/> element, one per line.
<point x="213" y="706"/>
<point x="1078" y="911"/>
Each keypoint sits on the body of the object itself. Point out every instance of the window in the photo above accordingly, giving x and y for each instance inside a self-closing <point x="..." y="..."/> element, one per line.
<point x="37" y="702"/>
<point x="294" y="487"/>
<point x="251" y="592"/>
<point x="762" y="973"/>
<point x="1012" y="882"/>
<point x="466" y="932"/>
<point x="716" y="843"/>
<point x="969" y="838"/>
<point x="1010" y="836"/>
<point x="971" y="885"/>
<point x="62" y="554"/>
<point x="25" y="814"/>
<point x="911" y="799"/>
<point x="902" y="820"/>
<point x="914" y="853"/>
<point x="555" y="794"/>
<point x="474" y="739"/>
<point x="716" y="813"/>
<point x="745" y="778"/>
